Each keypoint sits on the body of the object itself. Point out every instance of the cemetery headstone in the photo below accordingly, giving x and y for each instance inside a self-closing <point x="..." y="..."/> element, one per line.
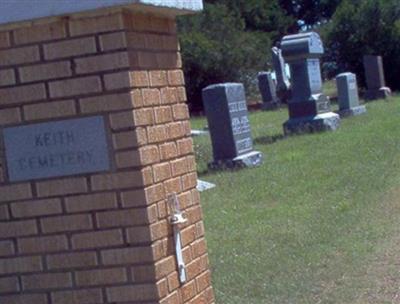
<point x="309" y="108"/>
<point x="349" y="104"/>
<point x="375" y="77"/>
<point x="95" y="136"/>
<point x="267" y="89"/>
<point x="226" y="109"/>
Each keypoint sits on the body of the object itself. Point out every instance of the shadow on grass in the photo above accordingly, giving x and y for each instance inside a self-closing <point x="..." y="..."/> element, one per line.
<point x="267" y="140"/>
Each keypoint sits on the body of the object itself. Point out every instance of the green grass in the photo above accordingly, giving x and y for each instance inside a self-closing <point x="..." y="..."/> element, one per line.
<point x="303" y="227"/>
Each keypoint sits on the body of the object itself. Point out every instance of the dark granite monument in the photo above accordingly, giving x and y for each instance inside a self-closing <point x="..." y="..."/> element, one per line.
<point x="349" y="104"/>
<point x="375" y="78"/>
<point x="268" y="91"/>
<point x="309" y="108"/>
<point x="228" y="122"/>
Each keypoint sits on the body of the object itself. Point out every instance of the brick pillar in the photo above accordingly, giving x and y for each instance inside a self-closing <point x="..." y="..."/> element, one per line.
<point x="101" y="237"/>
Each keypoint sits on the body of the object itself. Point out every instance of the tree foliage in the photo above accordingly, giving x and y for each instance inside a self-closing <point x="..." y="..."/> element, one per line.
<point x="216" y="47"/>
<point x="361" y="27"/>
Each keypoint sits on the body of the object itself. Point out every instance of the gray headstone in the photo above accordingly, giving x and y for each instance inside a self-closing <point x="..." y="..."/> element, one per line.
<point x="54" y="149"/>
<point x="228" y="122"/>
<point x="307" y="103"/>
<point x="375" y="78"/>
<point x="268" y="90"/>
<point x="348" y="95"/>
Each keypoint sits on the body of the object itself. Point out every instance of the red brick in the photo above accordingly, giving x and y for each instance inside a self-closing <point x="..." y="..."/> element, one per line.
<point x="158" y="78"/>
<point x="123" y="256"/>
<point x="76" y="86"/>
<point x="173" y="185"/>
<point x="130" y="139"/>
<point x="6" y="248"/>
<point x="70" y="48"/>
<point x="113" y="41"/>
<point x="181" y="92"/>
<point x="127" y="217"/>
<point x="36" y="208"/>
<point x="185" y="146"/>
<point x="52" y="109"/>
<point x="164" y="267"/>
<point x="170" y="43"/>
<point x="188" y="291"/>
<point x="98" y="239"/>
<point x="17" y="228"/>
<point x="188" y="235"/>
<point x="82" y="296"/>
<point x="101" y="277"/>
<point x="203" y="281"/>
<point x="45" y="71"/>
<point x="71" y="260"/>
<point x="163" y="115"/>
<point x="170" y="60"/>
<point x="173" y="281"/>
<point x="159" y="24"/>
<point x="145" y="234"/>
<point x="4" y="214"/>
<point x="24" y="299"/>
<point x="180" y="111"/>
<point x="119" y="180"/>
<point x="91" y="202"/>
<point x="173" y="298"/>
<point x="189" y="181"/>
<point x="142" y="197"/>
<point x="135" y="118"/>
<point x="22" y="55"/>
<point x="161" y="172"/>
<point x="156" y="134"/>
<point x="9" y="284"/>
<point x="61" y="186"/>
<point x="151" y="97"/>
<point x="175" y="130"/>
<point x="101" y="63"/>
<point x="154" y="42"/>
<point x="126" y="80"/>
<point x="38" y="33"/>
<point x="7" y="77"/>
<point x="114" y="102"/>
<point x="43" y="244"/>
<point x="168" y="151"/>
<point x="15" y="192"/>
<point x="191" y="163"/>
<point x="169" y="95"/>
<point x="179" y="167"/>
<point x="142" y="157"/>
<point x="20" y="265"/>
<point x="144" y="60"/>
<point x="133" y="293"/>
<point x="66" y="223"/>
<point x="97" y="24"/>
<point x="5" y="39"/>
<point x="46" y="281"/>
<point x="22" y="94"/>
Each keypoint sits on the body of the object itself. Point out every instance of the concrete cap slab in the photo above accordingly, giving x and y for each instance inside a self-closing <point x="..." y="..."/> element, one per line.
<point x="25" y="10"/>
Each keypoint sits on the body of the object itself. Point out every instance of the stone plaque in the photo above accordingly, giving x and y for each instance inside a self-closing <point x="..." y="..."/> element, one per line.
<point x="55" y="149"/>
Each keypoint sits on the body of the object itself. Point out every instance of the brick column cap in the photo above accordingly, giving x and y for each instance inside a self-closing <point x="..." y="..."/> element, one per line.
<point x="24" y="10"/>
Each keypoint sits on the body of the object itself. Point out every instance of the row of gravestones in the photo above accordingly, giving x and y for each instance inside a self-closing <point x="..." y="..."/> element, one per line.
<point x="309" y="109"/>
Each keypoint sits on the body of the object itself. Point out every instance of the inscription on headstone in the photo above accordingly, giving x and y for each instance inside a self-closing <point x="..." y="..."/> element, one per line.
<point x="309" y="108"/>
<point x="349" y="104"/>
<point x="230" y="131"/>
<point x="55" y="149"/>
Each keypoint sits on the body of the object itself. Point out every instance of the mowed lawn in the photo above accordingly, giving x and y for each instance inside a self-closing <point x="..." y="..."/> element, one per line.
<point x="307" y="225"/>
